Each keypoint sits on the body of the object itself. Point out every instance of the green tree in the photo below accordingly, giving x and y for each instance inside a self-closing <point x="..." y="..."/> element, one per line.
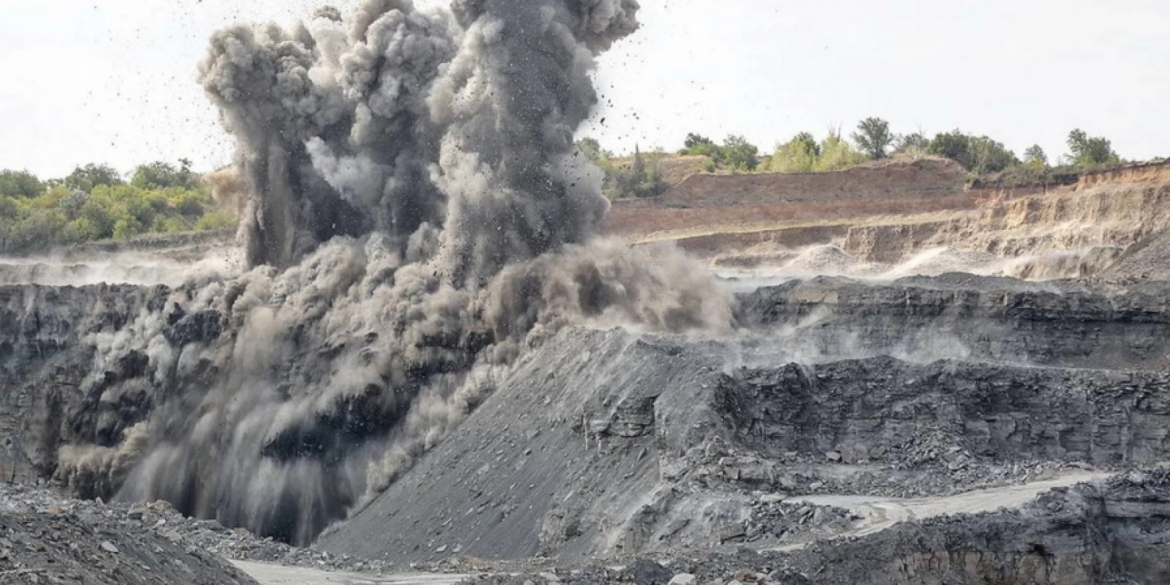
<point x="873" y="137"/>
<point x="72" y="203"/>
<point x="739" y="154"/>
<point x="696" y="145"/>
<point x="90" y="176"/>
<point x="915" y="144"/>
<point x="50" y="199"/>
<point x="126" y="228"/>
<point x="798" y="155"/>
<point x="954" y="145"/>
<point x="837" y="154"/>
<point x="978" y="154"/>
<point x="1035" y="158"/>
<point x="64" y="214"/>
<point x="591" y="148"/>
<point x="1091" y="151"/>
<point x="191" y="204"/>
<point x="20" y="184"/>
<point x="638" y="166"/>
<point x="98" y="213"/>
<point x="991" y="156"/>
<point x="9" y="209"/>
<point x="81" y="230"/>
<point x="641" y="179"/>
<point x="696" y="141"/>
<point x="39" y="230"/>
<point x="160" y="175"/>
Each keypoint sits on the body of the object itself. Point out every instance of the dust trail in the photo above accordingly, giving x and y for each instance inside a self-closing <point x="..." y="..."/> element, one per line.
<point x="415" y="217"/>
<point x="139" y="268"/>
<point x="772" y="263"/>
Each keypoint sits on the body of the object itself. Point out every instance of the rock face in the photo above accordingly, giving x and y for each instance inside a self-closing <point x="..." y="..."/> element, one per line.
<point x="610" y="444"/>
<point x="47" y="339"/>
<point x="970" y="317"/>
<point x="1113" y="211"/>
<point x="881" y="409"/>
<point x="1112" y="533"/>
<point x="613" y="443"/>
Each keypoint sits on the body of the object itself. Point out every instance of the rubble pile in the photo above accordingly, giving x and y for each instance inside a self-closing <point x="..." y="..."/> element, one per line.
<point x="48" y="540"/>
<point x="159" y="523"/>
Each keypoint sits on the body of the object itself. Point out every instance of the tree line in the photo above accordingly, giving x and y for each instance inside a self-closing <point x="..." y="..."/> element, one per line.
<point x="95" y="202"/>
<point x="871" y="140"/>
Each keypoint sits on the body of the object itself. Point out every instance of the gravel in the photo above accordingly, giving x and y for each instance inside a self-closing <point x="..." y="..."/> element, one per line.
<point x="45" y="539"/>
<point x="160" y="520"/>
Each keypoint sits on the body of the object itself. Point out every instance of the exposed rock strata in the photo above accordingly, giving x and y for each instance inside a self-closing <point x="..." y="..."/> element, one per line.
<point x="980" y="318"/>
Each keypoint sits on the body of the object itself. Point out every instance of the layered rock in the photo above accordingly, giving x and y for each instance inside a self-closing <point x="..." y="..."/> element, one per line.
<point x="964" y="316"/>
<point x="1111" y="533"/>
<point x="881" y="409"/>
<point x="606" y="443"/>
<point x="48" y="338"/>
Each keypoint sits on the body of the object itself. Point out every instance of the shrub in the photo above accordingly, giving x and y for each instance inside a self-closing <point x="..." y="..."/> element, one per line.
<point x="837" y="154"/>
<point x="20" y="184"/>
<point x="978" y="154"/>
<point x="798" y="155"/>
<point x="105" y="208"/>
<point x="215" y="220"/>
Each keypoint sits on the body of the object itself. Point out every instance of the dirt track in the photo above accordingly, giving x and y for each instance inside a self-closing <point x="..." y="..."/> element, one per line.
<point x="881" y="513"/>
<point x="267" y="574"/>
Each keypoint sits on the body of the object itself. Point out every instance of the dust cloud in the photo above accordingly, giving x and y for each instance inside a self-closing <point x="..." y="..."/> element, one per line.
<point x="415" y="217"/>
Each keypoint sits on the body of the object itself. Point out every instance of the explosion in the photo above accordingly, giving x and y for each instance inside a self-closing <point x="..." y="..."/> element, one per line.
<point x="416" y="217"/>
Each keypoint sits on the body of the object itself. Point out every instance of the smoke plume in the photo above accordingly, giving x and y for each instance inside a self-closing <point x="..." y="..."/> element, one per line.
<point x="415" y="217"/>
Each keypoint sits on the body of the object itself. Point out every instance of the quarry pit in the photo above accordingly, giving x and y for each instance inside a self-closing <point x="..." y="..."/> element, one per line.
<point x="910" y="423"/>
<point x="445" y="358"/>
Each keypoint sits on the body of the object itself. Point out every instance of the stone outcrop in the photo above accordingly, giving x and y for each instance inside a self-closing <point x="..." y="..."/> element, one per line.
<point x="47" y="340"/>
<point x="884" y="410"/>
<point x="1111" y="533"/>
<point x="970" y="317"/>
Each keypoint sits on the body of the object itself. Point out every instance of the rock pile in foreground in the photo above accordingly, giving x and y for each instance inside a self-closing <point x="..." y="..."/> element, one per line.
<point x="47" y="538"/>
<point x="42" y="542"/>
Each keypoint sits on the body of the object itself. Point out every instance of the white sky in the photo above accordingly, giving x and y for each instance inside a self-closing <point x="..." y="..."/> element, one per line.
<point x="113" y="81"/>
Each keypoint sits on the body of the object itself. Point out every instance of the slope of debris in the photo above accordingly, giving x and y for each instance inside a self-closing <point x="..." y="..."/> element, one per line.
<point x="613" y="443"/>
<point x="158" y="521"/>
<point x="560" y="460"/>
<point x="44" y="539"/>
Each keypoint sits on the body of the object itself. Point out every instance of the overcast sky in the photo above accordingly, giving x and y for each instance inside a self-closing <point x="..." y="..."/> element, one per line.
<point x="113" y="81"/>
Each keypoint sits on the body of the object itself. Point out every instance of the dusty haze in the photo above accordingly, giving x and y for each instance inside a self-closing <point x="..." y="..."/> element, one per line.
<point x="415" y="217"/>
